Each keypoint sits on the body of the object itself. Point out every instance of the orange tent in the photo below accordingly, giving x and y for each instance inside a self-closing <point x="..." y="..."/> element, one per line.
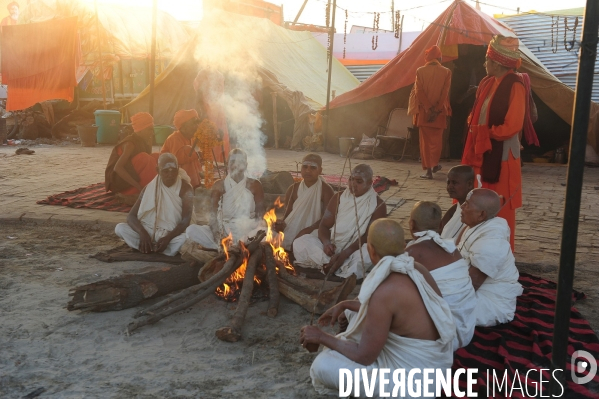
<point x="463" y="33"/>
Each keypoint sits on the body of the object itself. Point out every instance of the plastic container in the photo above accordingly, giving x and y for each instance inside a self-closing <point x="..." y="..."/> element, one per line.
<point x="161" y="132"/>
<point x="109" y="124"/>
<point x="345" y="144"/>
<point x="87" y="134"/>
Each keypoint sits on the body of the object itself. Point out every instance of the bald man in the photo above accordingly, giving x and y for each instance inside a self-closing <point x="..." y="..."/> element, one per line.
<point x="237" y="206"/>
<point x="399" y="321"/>
<point x="158" y="220"/>
<point x="460" y="181"/>
<point x="445" y="263"/>
<point x="305" y="202"/>
<point x="485" y="244"/>
<point x="335" y="246"/>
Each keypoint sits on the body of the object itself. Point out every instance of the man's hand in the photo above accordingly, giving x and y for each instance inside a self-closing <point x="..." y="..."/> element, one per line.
<point x="280" y="225"/>
<point x="310" y="335"/>
<point x="307" y="230"/>
<point x="329" y="249"/>
<point x="343" y="322"/>
<point x="162" y="243"/>
<point x="330" y="316"/>
<point x="145" y="243"/>
<point x="336" y="262"/>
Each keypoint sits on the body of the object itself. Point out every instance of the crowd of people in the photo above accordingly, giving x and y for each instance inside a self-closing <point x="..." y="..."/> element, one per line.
<point x="419" y="300"/>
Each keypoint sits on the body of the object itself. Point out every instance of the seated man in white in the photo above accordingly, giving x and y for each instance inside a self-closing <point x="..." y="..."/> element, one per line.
<point x="402" y="322"/>
<point x="460" y="181"/>
<point x="485" y="244"/>
<point x="237" y="206"/>
<point x="445" y="263"/>
<point x="335" y="245"/>
<point x="164" y="209"/>
<point x="305" y="202"/>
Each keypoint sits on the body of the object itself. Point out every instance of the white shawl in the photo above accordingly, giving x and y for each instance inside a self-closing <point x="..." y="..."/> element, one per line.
<point x="447" y="245"/>
<point x="307" y="209"/>
<point x="237" y="208"/>
<point x="344" y="230"/>
<point x="451" y="231"/>
<point x="161" y="207"/>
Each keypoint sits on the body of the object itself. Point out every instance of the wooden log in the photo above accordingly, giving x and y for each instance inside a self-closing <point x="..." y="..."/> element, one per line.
<point x="129" y="290"/>
<point x="309" y="298"/>
<point x="273" y="282"/>
<point x="294" y="280"/>
<point x="233" y="332"/>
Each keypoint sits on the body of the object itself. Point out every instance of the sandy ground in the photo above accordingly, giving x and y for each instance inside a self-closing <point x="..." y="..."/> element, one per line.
<point x="44" y="251"/>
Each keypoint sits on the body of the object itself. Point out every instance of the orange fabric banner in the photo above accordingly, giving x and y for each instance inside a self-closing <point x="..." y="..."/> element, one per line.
<point x="39" y="62"/>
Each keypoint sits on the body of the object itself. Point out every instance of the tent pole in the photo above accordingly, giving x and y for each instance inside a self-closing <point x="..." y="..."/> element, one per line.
<point x="275" y="122"/>
<point x="578" y="140"/>
<point x="153" y="55"/>
<point x="301" y="10"/>
<point x="330" y="71"/>
<point x="400" y="34"/>
<point x="100" y="54"/>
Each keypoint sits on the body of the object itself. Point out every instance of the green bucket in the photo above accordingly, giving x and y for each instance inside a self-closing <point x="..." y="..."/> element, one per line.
<point x="109" y="124"/>
<point x="161" y="132"/>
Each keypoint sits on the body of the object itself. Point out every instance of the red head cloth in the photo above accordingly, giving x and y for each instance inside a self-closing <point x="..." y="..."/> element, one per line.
<point x="504" y="51"/>
<point x="141" y="120"/>
<point x="432" y="53"/>
<point x="183" y="116"/>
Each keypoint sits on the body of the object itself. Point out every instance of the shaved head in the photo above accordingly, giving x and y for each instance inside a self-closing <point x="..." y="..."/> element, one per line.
<point x="426" y="216"/>
<point x="165" y="159"/>
<point x="313" y="158"/>
<point x="363" y="170"/>
<point x="386" y="237"/>
<point x="485" y="200"/>
<point x="462" y="171"/>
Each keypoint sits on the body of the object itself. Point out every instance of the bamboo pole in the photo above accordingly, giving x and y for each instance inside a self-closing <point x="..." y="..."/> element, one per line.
<point x="330" y="71"/>
<point x="274" y="118"/>
<point x="100" y="54"/>
<point x="153" y="55"/>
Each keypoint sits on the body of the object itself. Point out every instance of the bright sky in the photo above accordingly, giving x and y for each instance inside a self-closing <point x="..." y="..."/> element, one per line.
<point x="418" y="13"/>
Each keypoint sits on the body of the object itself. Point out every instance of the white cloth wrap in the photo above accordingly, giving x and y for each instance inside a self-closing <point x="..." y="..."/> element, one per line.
<point x="307" y="210"/>
<point x="308" y="249"/>
<point x="456" y="287"/>
<point x="236" y="214"/>
<point x="451" y="231"/>
<point x="487" y="247"/>
<point x="160" y="211"/>
<point x="398" y="352"/>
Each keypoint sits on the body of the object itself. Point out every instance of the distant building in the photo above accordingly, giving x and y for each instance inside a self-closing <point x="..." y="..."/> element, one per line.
<point x="554" y="38"/>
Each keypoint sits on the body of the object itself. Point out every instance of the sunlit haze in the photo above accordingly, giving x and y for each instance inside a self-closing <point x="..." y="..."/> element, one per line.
<point x="418" y="14"/>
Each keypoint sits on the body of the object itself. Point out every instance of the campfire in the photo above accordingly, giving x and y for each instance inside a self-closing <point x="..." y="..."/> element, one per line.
<point x="260" y="264"/>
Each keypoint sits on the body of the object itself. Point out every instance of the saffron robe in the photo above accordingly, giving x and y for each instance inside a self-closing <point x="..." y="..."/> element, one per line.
<point x="175" y="144"/>
<point x="141" y="166"/>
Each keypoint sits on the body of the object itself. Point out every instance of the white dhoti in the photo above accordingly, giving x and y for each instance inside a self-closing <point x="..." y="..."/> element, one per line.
<point x="308" y="249"/>
<point x="398" y="352"/>
<point x="487" y="247"/>
<point x="307" y="210"/>
<point x="124" y="231"/>
<point x="451" y="231"/>
<point x="455" y="285"/>
<point x="160" y="211"/>
<point x="235" y="216"/>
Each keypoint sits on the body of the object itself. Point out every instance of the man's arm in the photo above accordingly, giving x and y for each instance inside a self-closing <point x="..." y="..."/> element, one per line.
<point x="444" y="92"/>
<point x="337" y="260"/>
<point x="119" y="167"/>
<point x="258" y="191"/>
<point x="326" y="223"/>
<point x="514" y="119"/>
<point x="420" y="94"/>
<point x="330" y="316"/>
<point x="186" y="195"/>
<point x="145" y="241"/>
<point x="477" y="277"/>
<point x="290" y="197"/>
<point x="374" y="335"/>
<point x="218" y="189"/>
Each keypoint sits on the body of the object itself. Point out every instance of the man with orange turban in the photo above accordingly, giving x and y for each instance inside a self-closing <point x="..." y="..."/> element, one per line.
<point x="493" y="142"/>
<point x="131" y="165"/>
<point x="180" y="143"/>
<point x="429" y="105"/>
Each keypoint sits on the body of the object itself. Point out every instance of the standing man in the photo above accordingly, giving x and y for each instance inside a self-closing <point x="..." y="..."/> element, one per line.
<point x="13" y="10"/>
<point x="429" y="105"/>
<point x="493" y="144"/>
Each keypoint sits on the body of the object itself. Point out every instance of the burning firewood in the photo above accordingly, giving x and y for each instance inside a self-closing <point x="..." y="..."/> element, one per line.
<point x="273" y="283"/>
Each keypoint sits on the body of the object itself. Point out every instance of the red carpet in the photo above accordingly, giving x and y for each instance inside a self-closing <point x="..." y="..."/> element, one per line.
<point x="525" y="343"/>
<point x="90" y="197"/>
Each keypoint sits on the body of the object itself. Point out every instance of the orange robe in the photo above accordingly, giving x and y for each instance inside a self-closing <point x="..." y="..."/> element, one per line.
<point x="145" y="167"/>
<point x="431" y="89"/>
<point x="510" y="178"/>
<point x="176" y="144"/>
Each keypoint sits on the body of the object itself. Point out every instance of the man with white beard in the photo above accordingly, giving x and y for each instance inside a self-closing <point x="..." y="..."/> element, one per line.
<point x="335" y="247"/>
<point x="237" y="206"/>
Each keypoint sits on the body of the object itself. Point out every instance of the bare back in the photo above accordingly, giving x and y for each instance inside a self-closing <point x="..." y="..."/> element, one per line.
<point x="431" y="255"/>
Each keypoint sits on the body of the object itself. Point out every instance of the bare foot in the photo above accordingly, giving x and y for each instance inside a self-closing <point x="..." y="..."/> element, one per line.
<point x="437" y="168"/>
<point x="426" y="176"/>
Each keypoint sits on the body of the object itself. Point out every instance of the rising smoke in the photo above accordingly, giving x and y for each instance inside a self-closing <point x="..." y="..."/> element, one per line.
<point x="223" y="48"/>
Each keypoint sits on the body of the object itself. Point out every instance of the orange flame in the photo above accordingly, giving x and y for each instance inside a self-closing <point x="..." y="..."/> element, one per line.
<point x="276" y="241"/>
<point x="225" y="242"/>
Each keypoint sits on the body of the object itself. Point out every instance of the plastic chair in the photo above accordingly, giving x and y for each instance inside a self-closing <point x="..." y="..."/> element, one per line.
<point x="397" y="129"/>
